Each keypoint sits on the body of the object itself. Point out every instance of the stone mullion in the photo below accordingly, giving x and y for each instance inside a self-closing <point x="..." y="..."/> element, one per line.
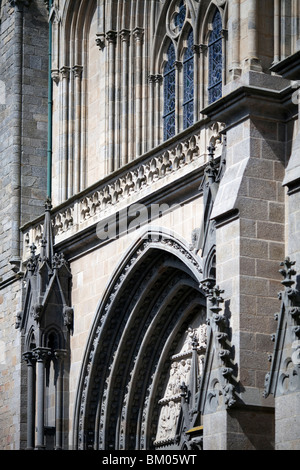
<point x="151" y="80"/>
<point x="197" y="72"/>
<point x="30" y="361"/>
<point x="178" y="96"/>
<point x="41" y="355"/>
<point x="77" y="70"/>
<point x="125" y="37"/>
<point x="203" y="52"/>
<point x="111" y="38"/>
<point x="138" y="37"/>
<point x="158" y="109"/>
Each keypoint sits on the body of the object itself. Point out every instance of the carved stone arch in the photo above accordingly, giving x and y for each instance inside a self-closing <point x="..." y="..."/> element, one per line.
<point x="161" y="34"/>
<point x="76" y="21"/>
<point x="206" y="17"/>
<point x="161" y="58"/>
<point x="209" y="270"/>
<point x="203" y="30"/>
<point x="187" y="28"/>
<point x="151" y="300"/>
<point x="30" y="340"/>
<point x="53" y="338"/>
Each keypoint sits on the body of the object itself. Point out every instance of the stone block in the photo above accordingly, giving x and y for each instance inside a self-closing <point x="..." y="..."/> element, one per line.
<point x="270" y="231"/>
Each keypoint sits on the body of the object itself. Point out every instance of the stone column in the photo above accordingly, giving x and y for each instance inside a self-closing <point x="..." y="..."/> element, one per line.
<point x="111" y="38"/>
<point x="77" y="70"/>
<point x="125" y="38"/>
<point x="41" y="355"/>
<point x="138" y="34"/>
<point x="30" y="361"/>
<point x="65" y="75"/>
<point x="16" y="148"/>
<point x="60" y="355"/>
<point x="253" y="58"/>
<point x="235" y="15"/>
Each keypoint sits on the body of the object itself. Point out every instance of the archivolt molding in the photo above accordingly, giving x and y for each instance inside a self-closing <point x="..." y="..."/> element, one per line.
<point x="101" y="358"/>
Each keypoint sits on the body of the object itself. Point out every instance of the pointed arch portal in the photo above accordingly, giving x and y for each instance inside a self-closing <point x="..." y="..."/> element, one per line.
<point x="152" y="302"/>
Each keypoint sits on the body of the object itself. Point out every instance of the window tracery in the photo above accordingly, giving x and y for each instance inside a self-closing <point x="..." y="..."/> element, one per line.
<point x="169" y="94"/>
<point x="215" y="59"/>
<point x="188" y="87"/>
<point x="178" y="110"/>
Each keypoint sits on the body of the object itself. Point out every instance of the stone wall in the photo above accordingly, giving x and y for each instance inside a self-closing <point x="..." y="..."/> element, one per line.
<point x="23" y="151"/>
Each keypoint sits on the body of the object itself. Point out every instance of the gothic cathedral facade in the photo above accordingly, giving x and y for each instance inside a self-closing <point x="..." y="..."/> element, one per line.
<point x="150" y="225"/>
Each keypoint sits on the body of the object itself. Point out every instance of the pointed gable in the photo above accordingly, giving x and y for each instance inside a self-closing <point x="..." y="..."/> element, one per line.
<point x="47" y="291"/>
<point x="284" y="377"/>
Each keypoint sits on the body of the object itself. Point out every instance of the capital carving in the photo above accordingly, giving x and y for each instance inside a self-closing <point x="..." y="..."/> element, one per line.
<point x="138" y="34"/>
<point x="65" y="72"/>
<point x="29" y="358"/>
<point x="77" y="70"/>
<point x="19" y="3"/>
<point x="41" y="354"/>
<point x="111" y="37"/>
<point x="125" y="35"/>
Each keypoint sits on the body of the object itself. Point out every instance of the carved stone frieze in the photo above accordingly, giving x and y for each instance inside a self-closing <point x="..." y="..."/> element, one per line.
<point x="129" y="185"/>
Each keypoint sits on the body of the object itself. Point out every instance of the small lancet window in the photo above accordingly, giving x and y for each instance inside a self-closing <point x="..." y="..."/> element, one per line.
<point x="215" y="57"/>
<point x="188" y="80"/>
<point x="169" y="94"/>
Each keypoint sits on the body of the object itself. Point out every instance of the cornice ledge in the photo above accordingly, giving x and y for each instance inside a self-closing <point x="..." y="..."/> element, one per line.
<point x="250" y="100"/>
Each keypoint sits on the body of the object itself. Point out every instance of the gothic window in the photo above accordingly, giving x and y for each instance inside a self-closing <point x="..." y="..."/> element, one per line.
<point x="169" y="94"/>
<point x="215" y="58"/>
<point x="188" y="79"/>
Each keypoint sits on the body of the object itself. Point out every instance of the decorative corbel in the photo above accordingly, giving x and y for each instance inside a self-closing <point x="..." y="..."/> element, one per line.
<point x="100" y="40"/>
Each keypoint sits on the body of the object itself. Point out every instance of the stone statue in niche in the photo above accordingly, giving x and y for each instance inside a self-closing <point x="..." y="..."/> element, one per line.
<point x="179" y="373"/>
<point x="168" y="420"/>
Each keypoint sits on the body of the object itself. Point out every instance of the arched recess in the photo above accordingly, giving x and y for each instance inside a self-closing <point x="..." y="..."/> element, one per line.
<point x="153" y="300"/>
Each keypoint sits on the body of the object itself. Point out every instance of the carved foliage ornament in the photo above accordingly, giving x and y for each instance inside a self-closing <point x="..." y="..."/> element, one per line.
<point x="220" y="370"/>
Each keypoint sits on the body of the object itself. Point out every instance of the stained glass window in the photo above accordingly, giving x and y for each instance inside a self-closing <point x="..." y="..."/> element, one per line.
<point x="169" y="94"/>
<point x="215" y="59"/>
<point x="188" y="83"/>
<point x="180" y="17"/>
